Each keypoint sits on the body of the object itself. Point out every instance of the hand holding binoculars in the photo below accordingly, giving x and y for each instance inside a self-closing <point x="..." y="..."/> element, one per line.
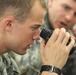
<point x="46" y="34"/>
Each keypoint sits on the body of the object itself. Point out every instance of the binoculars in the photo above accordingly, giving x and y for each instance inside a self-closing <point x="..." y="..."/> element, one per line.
<point x="46" y="34"/>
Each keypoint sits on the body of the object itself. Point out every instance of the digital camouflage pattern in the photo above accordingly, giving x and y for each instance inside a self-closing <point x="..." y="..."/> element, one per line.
<point x="8" y="65"/>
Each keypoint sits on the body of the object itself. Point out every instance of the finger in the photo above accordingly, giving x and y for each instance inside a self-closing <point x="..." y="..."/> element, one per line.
<point x="42" y="46"/>
<point x="66" y="39"/>
<point x="61" y="35"/>
<point x="54" y="36"/>
<point x="73" y="37"/>
<point x="71" y="44"/>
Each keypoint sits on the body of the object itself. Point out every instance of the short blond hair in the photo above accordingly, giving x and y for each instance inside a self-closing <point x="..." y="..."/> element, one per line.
<point x="20" y="9"/>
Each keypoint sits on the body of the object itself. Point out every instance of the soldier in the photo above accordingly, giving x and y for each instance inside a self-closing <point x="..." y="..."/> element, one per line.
<point x="19" y="27"/>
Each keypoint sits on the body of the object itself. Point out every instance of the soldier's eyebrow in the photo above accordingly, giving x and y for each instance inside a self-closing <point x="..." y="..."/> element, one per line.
<point x="36" y="26"/>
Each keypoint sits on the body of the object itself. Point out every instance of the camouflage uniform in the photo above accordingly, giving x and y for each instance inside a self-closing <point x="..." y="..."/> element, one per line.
<point x="8" y="65"/>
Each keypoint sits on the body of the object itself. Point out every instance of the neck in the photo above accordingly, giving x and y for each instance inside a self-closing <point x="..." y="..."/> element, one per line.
<point x="2" y="46"/>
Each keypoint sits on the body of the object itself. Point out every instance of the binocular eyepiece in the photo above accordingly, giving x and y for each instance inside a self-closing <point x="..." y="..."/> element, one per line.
<point x="46" y="34"/>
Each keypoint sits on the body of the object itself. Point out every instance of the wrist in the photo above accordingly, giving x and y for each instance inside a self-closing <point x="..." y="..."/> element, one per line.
<point x="48" y="73"/>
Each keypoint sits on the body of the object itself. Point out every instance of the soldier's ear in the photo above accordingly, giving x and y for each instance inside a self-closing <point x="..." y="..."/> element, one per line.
<point x="8" y="23"/>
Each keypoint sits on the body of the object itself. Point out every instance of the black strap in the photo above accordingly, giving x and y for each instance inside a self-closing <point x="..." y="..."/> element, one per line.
<point x="50" y="69"/>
